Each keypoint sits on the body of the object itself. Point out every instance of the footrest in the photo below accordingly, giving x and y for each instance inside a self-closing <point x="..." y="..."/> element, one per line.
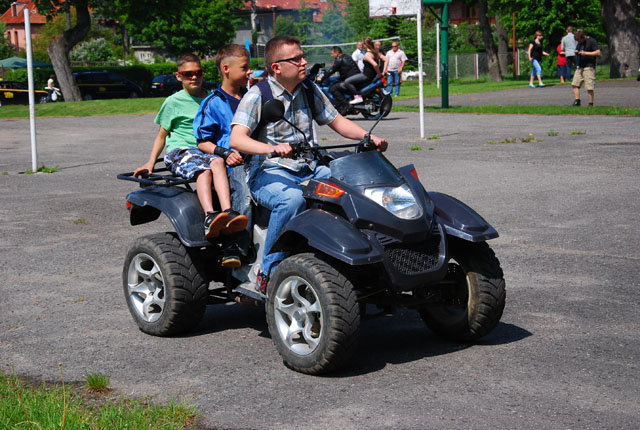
<point x="248" y="289"/>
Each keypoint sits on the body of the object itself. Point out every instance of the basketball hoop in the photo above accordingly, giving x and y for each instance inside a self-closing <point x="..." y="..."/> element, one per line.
<point x="384" y="11"/>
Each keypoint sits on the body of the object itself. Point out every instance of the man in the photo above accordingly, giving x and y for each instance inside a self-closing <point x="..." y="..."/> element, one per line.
<point x="383" y="61"/>
<point x="358" y="56"/>
<point x="350" y="76"/>
<point x="396" y="61"/>
<point x="587" y="52"/>
<point x="273" y="186"/>
<point x="568" y="46"/>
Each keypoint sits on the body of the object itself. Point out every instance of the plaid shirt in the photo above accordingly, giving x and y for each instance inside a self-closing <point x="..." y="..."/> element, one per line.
<point x="296" y="110"/>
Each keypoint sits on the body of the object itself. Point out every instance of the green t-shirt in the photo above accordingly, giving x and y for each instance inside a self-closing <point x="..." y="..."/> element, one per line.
<point x="176" y="116"/>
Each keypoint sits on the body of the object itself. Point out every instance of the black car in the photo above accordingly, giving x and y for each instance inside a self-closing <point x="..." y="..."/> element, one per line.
<point x="165" y="85"/>
<point x="15" y="92"/>
<point x="106" y="85"/>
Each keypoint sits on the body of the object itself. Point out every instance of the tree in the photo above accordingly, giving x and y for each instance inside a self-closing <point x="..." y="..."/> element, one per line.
<point x="489" y="46"/>
<point x="61" y="44"/>
<point x="621" y="26"/>
<point x="6" y="49"/>
<point x="286" y="25"/>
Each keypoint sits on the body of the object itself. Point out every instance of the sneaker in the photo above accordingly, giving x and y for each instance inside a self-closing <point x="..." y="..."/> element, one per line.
<point x="230" y="261"/>
<point x="541" y="85"/>
<point x="356" y="99"/>
<point x="576" y="102"/>
<point x="531" y="86"/>
<point x="214" y="222"/>
<point x="236" y="222"/>
<point x="262" y="282"/>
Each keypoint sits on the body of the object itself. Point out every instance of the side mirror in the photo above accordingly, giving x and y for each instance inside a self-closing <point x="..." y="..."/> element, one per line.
<point x="273" y="110"/>
<point x="385" y="105"/>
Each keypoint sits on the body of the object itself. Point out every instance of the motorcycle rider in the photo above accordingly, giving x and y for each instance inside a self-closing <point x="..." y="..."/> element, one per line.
<point x="374" y="64"/>
<point x="350" y="76"/>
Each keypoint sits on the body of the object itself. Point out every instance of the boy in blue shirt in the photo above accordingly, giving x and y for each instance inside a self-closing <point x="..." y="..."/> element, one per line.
<point x="212" y="124"/>
<point x="185" y="158"/>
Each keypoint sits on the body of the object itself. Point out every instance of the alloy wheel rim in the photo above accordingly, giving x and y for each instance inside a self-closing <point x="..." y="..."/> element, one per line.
<point x="145" y="287"/>
<point x="298" y="315"/>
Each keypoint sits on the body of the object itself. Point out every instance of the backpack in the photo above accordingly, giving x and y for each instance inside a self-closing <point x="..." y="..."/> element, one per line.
<point x="267" y="94"/>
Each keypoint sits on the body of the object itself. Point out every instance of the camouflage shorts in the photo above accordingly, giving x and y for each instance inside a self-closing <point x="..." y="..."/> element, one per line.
<point x="186" y="162"/>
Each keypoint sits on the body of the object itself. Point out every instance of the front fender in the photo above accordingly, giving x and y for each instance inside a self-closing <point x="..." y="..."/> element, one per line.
<point x="180" y="205"/>
<point x="329" y="234"/>
<point x="460" y="220"/>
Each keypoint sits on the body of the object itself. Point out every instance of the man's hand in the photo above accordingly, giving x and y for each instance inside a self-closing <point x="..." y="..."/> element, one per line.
<point x="381" y="144"/>
<point x="234" y="159"/>
<point x="147" y="166"/>
<point x="282" y="150"/>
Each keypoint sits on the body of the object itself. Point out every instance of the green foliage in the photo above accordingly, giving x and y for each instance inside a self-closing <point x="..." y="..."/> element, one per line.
<point x="551" y="17"/>
<point x="95" y="381"/>
<point x="6" y="49"/>
<point x="92" y="50"/>
<point x="43" y="169"/>
<point x="286" y="25"/>
<point x="193" y="26"/>
<point x="416" y="148"/>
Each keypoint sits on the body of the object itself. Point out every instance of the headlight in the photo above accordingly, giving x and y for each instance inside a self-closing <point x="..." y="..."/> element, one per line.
<point x="399" y="201"/>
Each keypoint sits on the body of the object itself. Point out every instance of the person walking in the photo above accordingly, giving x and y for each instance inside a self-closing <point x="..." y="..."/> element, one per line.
<point x="569" y="47"/>
<point x="536" y="52"/>
<point x="396" y="59"/>
<point x="587" y="52"/>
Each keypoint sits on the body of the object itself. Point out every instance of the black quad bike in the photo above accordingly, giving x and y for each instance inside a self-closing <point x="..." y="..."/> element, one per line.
<point x="371" y="234"/>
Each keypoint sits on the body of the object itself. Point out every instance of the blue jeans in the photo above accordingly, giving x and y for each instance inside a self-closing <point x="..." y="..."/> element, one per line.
<point x="394" y="81"/>
<point x="279" y="190"/>
<point x="535" y="68"/>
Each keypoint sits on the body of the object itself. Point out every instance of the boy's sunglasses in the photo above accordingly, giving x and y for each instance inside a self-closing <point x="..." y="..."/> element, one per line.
<point x="191" y="73"/>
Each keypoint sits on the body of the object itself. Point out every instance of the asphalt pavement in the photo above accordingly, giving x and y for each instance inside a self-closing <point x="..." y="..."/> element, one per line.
<point x="565" y="354"/>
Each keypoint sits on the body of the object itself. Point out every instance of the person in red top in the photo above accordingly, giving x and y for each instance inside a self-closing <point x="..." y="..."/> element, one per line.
<point x="563" y="70"/>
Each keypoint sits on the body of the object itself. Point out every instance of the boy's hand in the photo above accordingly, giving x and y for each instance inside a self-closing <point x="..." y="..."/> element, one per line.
<point x="234" y="159"/>
<point x="147" y="166"/>
<point x="381" y="144"/>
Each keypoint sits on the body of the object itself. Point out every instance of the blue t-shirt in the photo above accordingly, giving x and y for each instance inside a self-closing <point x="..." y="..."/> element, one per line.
<point x="213" y="120"/>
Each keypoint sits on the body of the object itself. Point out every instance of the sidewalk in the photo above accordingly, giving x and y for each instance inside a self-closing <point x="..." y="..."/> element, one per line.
<point x="608" y="93"/>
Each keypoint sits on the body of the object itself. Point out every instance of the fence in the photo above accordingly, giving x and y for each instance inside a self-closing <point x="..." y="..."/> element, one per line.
<point x="461" y="66"/>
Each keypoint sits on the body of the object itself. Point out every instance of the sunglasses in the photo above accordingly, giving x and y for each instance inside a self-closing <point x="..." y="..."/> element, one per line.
<point x="297" y="60"/>
<point x="191" y="73"/>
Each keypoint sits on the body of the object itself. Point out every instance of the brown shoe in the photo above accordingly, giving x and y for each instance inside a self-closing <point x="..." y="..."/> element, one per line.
<point x="214" y="222"/>
<point x="236" y="222"/>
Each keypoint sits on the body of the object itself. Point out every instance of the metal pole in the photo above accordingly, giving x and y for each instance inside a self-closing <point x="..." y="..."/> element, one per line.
<point x="437" y="55"/>
<point x="514" y="45"/>
<point x="420" y="78"/>
<point x="445" y="55"/>
<point x="32" y="109"/>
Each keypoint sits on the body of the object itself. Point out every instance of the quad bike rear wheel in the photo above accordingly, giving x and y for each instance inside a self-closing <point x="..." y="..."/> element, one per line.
<point x="313" y="314"/>
<point x="165" y="293"/>
<point x="473" y="294"/>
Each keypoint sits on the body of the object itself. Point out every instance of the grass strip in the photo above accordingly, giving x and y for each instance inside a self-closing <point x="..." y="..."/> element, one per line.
<point x="24" y="405"/>
<point x="139" y="106"/>
<point x="525" y="110"/>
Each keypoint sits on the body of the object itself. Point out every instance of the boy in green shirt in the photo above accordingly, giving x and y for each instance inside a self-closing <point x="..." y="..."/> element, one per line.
<point x="184" y="158"/>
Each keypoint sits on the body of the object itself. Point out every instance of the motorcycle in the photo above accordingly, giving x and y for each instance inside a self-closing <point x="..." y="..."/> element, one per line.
<point x="371" y="236"/>
<point x="372" y="94"/>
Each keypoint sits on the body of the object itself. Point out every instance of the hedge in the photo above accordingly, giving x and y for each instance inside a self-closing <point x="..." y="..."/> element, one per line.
<point x="141" y="74"/>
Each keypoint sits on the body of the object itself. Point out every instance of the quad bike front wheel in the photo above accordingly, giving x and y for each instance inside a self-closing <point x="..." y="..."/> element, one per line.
<point x="313" y="314"/>
<point x="165" y="293"/>
<point x="473" y="294"/>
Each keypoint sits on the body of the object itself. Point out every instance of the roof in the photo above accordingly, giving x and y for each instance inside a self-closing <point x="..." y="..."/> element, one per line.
<point x="288" y="4"/>
<point x="35" y="18"/>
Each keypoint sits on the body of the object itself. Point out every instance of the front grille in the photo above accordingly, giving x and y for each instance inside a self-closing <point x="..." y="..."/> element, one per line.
<point x="415" y="258"/>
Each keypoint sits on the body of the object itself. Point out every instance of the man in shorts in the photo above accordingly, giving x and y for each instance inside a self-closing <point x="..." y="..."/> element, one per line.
<point x="587" y="53"/>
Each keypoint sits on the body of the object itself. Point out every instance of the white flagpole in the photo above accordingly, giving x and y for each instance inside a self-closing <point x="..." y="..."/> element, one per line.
<point x="420" y="78"/>
<point x="32" y="110"/>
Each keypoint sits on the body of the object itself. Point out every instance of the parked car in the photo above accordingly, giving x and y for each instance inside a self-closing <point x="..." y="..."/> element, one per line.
<point x="16" y="92"/>
<point x="165" y="85"/>
<point x="106" y="85"/>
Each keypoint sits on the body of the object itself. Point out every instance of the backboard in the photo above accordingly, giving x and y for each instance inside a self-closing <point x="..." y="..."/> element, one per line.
<point x="382" y="8"/>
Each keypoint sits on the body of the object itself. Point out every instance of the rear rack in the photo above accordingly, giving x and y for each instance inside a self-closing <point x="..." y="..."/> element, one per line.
<point x="155" y="179"/>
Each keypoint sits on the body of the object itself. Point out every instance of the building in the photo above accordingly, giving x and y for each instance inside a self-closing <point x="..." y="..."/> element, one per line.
<point x="259" y="17"/>
<point x="13" y="18"/>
